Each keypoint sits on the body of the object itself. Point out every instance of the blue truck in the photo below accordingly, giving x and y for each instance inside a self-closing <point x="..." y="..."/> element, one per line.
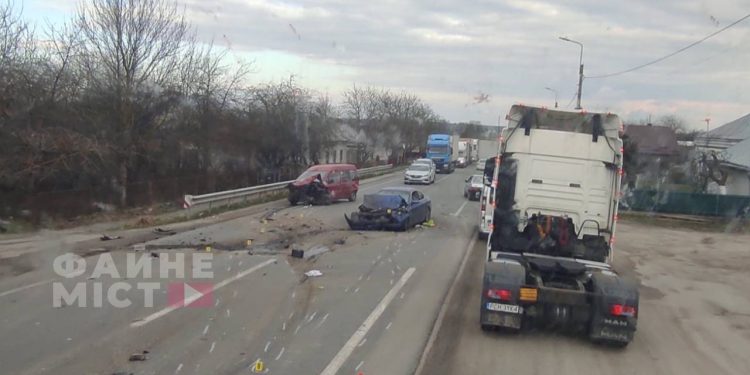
<point x="440" y="150"/>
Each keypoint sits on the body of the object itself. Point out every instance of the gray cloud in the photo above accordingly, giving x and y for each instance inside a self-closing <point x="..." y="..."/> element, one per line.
<point x="448" y="51"/>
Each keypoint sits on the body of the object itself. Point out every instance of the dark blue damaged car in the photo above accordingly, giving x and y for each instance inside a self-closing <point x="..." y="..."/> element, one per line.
<point x="395" y="208"/>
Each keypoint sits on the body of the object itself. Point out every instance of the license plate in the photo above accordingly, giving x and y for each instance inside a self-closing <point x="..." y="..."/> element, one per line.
<point x="513" y="309"/>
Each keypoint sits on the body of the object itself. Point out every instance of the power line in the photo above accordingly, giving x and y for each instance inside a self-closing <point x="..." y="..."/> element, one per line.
<point x="675" y="52"/>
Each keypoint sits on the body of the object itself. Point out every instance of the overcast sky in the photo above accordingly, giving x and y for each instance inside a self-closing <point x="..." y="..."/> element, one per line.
<point x="451" y="52"/>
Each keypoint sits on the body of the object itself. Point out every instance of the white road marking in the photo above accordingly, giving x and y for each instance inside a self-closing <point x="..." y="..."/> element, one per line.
<point x="21" y="288"/>
<point x="280" y="353"/>
<point x="368" y="278"/>
<point x="364" y="340"/>
<point x="393" y="272"/>
<point x="374" y="261"/>
<point x="205" y="330"/>
<point x="297" y="329"/>
<point x="388" y="326"/>
<point x="310" y="319"/>
<point x="217" y="301"/>
<point x="391" y="281"/>
<point x="356" y="290"/>
<point x="228" y="313"/>
<point x="234" y="294"/>
<point x="198" y="295"/>
<point x="229" y="268"/>
<point x="359" y="365"/>
<point x="460" y="209"/>
<point x="444" y="308"/>
<point x="213" y="345"/>
<point x="291" y="315"/>
<point x="294" y="294"/>
<point x="323" y="320"/>
<point x="346" y="290"/>
<point x="360" y="277"/>
<point x="179" y="367"/>
<point x="265" y="350"/>
<point x="398" y="267"/>
<point x="343" y="354"/>
<point x="402" y="295"/>
<point x="283" y="326"/>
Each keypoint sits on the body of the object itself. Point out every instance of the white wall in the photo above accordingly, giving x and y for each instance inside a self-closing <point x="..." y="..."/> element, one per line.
<point x="738" y="183"/>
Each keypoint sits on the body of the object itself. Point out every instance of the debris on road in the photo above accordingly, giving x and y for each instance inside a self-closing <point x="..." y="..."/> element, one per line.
<point x="313" y="273"/>
<point x="138" y="357"/>
<point x="429" y="223"/>
<point x="106" y="237"/>
<point x="164" y="231"/>
<point x="340" y="241"/>
<point x="139" y="247"/>
<point x="311" y="252"/>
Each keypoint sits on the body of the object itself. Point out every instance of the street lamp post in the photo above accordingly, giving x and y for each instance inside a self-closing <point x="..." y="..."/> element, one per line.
<point x="580" y="70"/>
<point x="554" y="91"/>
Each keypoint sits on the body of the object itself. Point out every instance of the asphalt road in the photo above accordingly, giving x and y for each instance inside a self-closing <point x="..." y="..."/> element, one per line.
<point x="379" y="307"/>
<point x="371" y="311"/>
<point x="694" y="315"/>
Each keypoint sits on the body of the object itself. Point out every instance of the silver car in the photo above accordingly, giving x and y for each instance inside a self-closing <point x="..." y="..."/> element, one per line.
<point x="429" y="162"/>
<point x="419" y="174"/>
<point x="473" y="187"/>
<point x="480" y="164"/>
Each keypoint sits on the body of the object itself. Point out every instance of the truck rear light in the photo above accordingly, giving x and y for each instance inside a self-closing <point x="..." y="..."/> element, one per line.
<point x="622" y="310"/>
<point x="501" y="294"/>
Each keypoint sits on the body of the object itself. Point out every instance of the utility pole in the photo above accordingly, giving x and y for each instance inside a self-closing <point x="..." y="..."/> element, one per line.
<point x="707" y="120"/>
<point x="580" y="70"/>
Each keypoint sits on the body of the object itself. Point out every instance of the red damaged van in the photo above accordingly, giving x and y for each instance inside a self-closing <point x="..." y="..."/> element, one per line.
<point x="325" y="183"/>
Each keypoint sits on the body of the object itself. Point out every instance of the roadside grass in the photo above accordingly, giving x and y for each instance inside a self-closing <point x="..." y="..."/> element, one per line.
<point x="159" y="214"/>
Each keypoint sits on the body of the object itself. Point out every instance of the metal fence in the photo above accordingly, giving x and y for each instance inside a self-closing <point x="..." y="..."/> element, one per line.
<point x="229" y="197"/>
<point x="685" y="203"/>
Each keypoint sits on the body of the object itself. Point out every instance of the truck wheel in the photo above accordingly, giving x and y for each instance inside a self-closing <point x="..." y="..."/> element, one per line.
<point x="353" y="196"/>
<point x="487" y="328"/>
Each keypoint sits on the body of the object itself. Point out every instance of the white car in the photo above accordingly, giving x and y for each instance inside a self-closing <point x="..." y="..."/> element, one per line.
<point x="485" y="214"/>
<point x="419" y="174"/>
<point x="480" y="164"/>
<point x="429" y="162"/>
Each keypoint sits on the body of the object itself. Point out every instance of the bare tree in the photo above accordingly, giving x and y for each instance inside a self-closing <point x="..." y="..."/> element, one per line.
<point x="130" y="47"/>
<point x="673" y="122"/>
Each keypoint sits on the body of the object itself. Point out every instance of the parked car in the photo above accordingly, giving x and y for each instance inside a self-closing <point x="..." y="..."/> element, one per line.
<point x="473" y="187"/>
<point x="395" y="208"/>
<point x="325" y="183"/>
<point x="480" y="164"/>
<point x="419" y="174"/>
<point x="427" y="162"/>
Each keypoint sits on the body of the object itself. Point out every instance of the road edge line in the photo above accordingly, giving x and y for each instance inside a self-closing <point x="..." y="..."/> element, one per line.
<point x="444" y="307"/>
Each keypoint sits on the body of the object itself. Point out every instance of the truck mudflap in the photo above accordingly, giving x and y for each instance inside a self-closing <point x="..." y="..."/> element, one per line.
<point x="500" y="295"/>
<point x="614" y="310"/>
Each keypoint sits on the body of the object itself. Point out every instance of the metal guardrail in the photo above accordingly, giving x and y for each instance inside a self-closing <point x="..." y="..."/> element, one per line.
<point x="226" y="197"/>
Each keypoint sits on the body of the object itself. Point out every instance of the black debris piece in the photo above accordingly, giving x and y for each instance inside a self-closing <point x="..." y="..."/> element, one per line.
<point x="298" y="253"/>
<point x="164" y="231"/>
<point x="340" y="241"/>
<point x="106" y="237"/>
<point x="138" y="357"/>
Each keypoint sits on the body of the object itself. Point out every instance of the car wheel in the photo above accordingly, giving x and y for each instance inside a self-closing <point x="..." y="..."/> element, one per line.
<point x="429" y="215"/>
<point x="353" y="196"/>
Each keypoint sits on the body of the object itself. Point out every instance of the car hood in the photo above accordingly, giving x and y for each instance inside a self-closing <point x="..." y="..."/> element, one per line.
<point x="382" y="201"/>
<point x="417" y="173"/>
